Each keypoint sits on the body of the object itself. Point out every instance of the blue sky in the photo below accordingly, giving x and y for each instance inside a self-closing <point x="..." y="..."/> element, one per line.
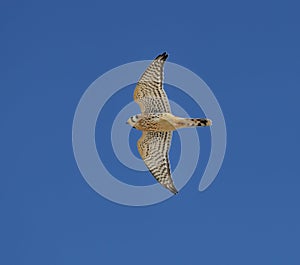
<point x="247" y="52"/>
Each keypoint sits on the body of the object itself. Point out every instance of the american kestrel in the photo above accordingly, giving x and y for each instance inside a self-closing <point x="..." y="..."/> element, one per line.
<point x="157" y="122"/>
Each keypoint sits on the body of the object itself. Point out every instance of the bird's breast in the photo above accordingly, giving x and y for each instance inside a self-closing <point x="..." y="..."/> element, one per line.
<point x="156" y="122"/>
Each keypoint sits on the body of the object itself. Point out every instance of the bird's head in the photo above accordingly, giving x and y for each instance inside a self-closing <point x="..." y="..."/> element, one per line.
<point x="133" y="120"/>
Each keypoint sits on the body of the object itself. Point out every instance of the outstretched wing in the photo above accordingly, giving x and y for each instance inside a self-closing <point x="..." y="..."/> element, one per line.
<point x="149" y="92"/>
<point x="153" y="148"/>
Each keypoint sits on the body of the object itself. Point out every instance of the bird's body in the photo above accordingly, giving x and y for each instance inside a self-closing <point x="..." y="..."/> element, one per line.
<point x="164" y="122"/>
<point x="157" y="122"/>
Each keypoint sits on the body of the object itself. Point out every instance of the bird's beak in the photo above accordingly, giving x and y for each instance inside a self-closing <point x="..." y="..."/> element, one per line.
<point x="126" y="122"/>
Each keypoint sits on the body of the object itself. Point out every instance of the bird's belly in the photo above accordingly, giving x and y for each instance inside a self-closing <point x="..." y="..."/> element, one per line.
<point x="154" y="124"/>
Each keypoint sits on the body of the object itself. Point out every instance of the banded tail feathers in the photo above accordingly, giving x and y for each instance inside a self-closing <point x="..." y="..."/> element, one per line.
<point x="193" y="122"/>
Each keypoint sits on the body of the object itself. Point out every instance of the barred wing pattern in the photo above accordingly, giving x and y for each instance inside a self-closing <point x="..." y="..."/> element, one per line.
<point x="153" y="148"/>
<point x="149" y="92"/>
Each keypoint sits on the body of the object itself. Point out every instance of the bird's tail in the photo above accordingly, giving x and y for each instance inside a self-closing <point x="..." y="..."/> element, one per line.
<point x="193" y="122"/>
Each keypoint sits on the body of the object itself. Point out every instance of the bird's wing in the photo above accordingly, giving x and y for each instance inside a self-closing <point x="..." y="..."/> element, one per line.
<point x="153" y="148"/>
<point x="149" y="92"/>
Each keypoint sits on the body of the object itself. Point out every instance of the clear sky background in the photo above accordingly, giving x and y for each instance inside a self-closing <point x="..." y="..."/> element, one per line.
<point x="246" y="51"/>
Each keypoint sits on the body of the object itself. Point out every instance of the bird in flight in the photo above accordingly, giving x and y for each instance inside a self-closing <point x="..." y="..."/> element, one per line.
<point x="157" y="122"/>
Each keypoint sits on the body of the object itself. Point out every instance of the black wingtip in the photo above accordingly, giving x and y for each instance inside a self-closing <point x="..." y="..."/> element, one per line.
<point x="172" y="189"/>
<point x="162" y="56"/>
